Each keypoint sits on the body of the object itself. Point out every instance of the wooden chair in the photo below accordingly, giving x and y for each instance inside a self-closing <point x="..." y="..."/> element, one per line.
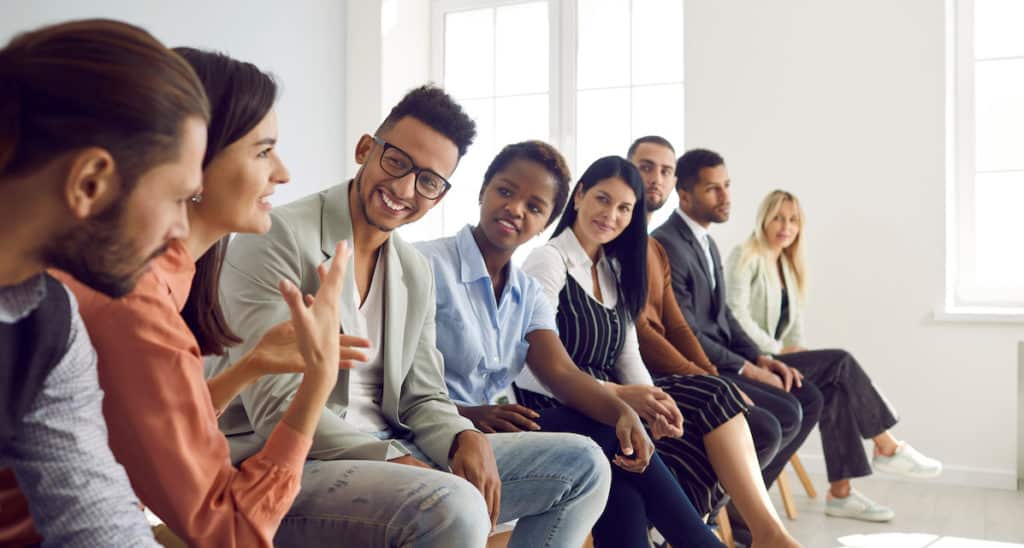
<point x="787" y="497"/>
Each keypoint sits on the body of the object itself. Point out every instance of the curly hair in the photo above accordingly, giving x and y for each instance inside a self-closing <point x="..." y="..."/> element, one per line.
<point x="542" y="153"/>
<point x="432" y="106"/>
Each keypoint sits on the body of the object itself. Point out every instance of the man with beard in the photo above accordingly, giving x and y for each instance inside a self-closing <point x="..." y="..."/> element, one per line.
<point x="102" y="134"/>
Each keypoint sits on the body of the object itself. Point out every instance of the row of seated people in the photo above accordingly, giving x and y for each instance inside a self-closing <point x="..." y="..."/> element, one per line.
<point x="350" y="394"/>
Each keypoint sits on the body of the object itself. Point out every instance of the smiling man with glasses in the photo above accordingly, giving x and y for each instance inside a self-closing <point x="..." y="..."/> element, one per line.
<point x="389" y="434"/>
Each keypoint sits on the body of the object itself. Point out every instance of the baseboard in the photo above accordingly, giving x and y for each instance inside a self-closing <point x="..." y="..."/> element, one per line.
<point x="951" y="475"/>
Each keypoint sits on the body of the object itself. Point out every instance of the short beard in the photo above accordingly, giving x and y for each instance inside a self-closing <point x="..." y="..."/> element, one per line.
<point x="98" y="254"/>
<point x="652" y="206"/>
<point x="362" y="204"/>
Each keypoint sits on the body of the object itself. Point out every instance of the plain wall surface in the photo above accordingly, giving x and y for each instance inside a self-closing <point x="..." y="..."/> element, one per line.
<point x="301" y="43"/>
<point x="843" y="104"/>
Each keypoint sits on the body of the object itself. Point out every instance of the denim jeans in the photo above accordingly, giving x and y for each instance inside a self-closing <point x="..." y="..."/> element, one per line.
<point x="556" y="485"/>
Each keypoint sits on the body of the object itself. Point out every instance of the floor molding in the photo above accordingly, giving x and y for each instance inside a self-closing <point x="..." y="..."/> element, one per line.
<point x="951" y="475"/>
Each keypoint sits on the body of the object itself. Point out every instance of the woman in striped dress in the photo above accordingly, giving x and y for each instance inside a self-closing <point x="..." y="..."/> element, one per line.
<point x="593" y="270"/>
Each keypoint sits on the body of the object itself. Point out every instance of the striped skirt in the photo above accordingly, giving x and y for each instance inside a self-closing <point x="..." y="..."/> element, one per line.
<point x="706" y="403"/>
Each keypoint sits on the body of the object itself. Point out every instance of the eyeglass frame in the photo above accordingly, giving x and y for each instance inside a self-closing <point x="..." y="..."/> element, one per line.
<point x="412" y="169"/>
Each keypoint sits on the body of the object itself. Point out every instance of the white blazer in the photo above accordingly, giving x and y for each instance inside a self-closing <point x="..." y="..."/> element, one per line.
<point x="754" y="295"/>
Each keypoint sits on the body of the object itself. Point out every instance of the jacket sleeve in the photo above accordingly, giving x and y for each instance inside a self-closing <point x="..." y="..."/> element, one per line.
<point x="253" y="267"/>
<point x="677" y="352"/>
<point x="740" y="276"/>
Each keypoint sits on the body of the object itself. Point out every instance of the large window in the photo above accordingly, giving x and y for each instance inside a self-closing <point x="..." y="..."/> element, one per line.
<point x="986" y="263"/>
<point x="587" y="76"/>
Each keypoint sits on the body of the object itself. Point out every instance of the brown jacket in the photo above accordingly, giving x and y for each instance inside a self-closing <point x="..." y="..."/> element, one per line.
<point x="667" y="343"/>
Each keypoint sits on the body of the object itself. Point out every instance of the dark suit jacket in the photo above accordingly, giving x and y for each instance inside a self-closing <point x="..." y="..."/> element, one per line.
<point x="721" y="336"/>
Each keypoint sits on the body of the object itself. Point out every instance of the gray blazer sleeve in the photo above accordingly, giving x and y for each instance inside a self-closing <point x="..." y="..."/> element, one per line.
<point x="252" y="304"/>
<point x="424" y="406"/>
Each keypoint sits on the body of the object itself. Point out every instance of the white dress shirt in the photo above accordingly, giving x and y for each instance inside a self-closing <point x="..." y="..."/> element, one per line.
<point x="563" y="256"/>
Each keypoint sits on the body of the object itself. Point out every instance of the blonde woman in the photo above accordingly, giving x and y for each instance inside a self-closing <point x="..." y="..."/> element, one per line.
<point x="766" y="279"/>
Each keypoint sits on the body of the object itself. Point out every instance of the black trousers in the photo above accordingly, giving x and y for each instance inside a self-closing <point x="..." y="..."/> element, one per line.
<point x="854" y="409"/>
<point x="780" y="421"/>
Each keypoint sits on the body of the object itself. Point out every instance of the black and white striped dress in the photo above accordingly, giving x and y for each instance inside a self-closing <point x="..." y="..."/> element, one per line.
<point x="594" y="335"/>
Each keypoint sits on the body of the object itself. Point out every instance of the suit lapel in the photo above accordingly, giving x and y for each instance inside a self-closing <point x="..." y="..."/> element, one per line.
<point x="719" y="286"/>
<point x="336" y="225"/>
<point x="698" y="251"/>
<point x="395" y="294"/>
<point x="773" y="296"/>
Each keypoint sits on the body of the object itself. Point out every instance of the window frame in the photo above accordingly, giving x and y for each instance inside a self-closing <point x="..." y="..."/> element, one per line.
<point x="965" y="298"/>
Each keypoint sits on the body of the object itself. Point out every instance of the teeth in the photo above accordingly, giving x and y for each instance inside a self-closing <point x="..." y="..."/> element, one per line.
<point x="508" y="224"/>
<point x="390" y="204"/>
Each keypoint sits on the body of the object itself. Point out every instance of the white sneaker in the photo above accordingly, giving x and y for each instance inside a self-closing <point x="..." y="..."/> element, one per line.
<point x="857" y="506"/>
<point x="908" y="462"/>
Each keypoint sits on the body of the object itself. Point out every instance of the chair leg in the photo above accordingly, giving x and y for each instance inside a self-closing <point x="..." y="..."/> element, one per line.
<point x="801" y="474"/>
<point x="787" y="497"/>
<point x="725" y="529"/>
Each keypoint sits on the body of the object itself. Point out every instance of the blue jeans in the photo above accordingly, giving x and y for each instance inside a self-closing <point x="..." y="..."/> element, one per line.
<point x="556" y="485"/>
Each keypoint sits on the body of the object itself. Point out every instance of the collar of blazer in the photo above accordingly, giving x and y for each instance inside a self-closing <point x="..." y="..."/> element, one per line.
<point x="335" y="218"/>
<point x="689" y="236"/>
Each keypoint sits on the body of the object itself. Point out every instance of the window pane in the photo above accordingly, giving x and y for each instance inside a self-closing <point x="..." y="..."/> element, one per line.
<point x="520" y="118"/>
<point x="521" y="49"/>
<point x="999" y="114"/>
<point x="469" y="53"/>
<point x="602" y="125"/>
<point x="997" y="28"/>
<point x="603" y="49"/>
<point x="658" y="110"/>
<point x="998" y="226"/>
<point x="460" y="205"/>
<point x="657" y="41"/>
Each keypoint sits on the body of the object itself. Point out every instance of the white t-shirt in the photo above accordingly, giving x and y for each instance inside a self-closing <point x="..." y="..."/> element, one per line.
<point x="366" y="380"/>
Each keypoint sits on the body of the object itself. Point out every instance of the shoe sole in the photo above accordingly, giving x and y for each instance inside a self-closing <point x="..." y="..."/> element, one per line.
<point x="911" y="475"/>
<point x="860" y="517"/>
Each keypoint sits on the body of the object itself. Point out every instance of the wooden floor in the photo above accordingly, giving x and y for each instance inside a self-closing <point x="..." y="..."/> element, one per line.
<point x="921" y="507"/>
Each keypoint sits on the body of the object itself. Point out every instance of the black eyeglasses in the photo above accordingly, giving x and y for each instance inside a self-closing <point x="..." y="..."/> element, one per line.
<point x="397" y="163"/>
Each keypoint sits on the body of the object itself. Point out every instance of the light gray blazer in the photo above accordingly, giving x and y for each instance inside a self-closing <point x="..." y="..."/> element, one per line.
<point x="754" y="294"/>
<point x="414" y="400"/>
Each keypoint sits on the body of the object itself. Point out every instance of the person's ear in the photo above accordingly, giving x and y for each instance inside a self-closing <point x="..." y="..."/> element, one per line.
<point x="363" y="148"/>
<point x="92" y="182"/>
<point x="577" y="197"/>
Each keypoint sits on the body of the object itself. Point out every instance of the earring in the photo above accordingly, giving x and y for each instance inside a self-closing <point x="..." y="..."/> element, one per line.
<point x="196" y="199"/>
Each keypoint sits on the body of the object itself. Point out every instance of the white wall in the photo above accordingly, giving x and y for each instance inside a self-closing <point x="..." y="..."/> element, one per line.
<point x="301" y="42"/>
<point x="843" y="104"/>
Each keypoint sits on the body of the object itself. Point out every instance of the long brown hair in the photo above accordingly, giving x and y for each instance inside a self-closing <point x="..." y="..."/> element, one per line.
<point x="241" y="95"/>
<point x="89" y="83"/>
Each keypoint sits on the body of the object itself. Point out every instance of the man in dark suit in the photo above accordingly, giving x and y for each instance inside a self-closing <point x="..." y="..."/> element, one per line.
<point x="793" y="404"/>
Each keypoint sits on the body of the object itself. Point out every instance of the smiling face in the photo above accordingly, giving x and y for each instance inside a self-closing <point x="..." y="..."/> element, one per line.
<point x="782" y="228"/>
<point x="240" y="179"/>
<point x="516" y="204"/>
<point x="603" y="211"/>
<point x="657" y="166"/>
<point x="385" y="202"/>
